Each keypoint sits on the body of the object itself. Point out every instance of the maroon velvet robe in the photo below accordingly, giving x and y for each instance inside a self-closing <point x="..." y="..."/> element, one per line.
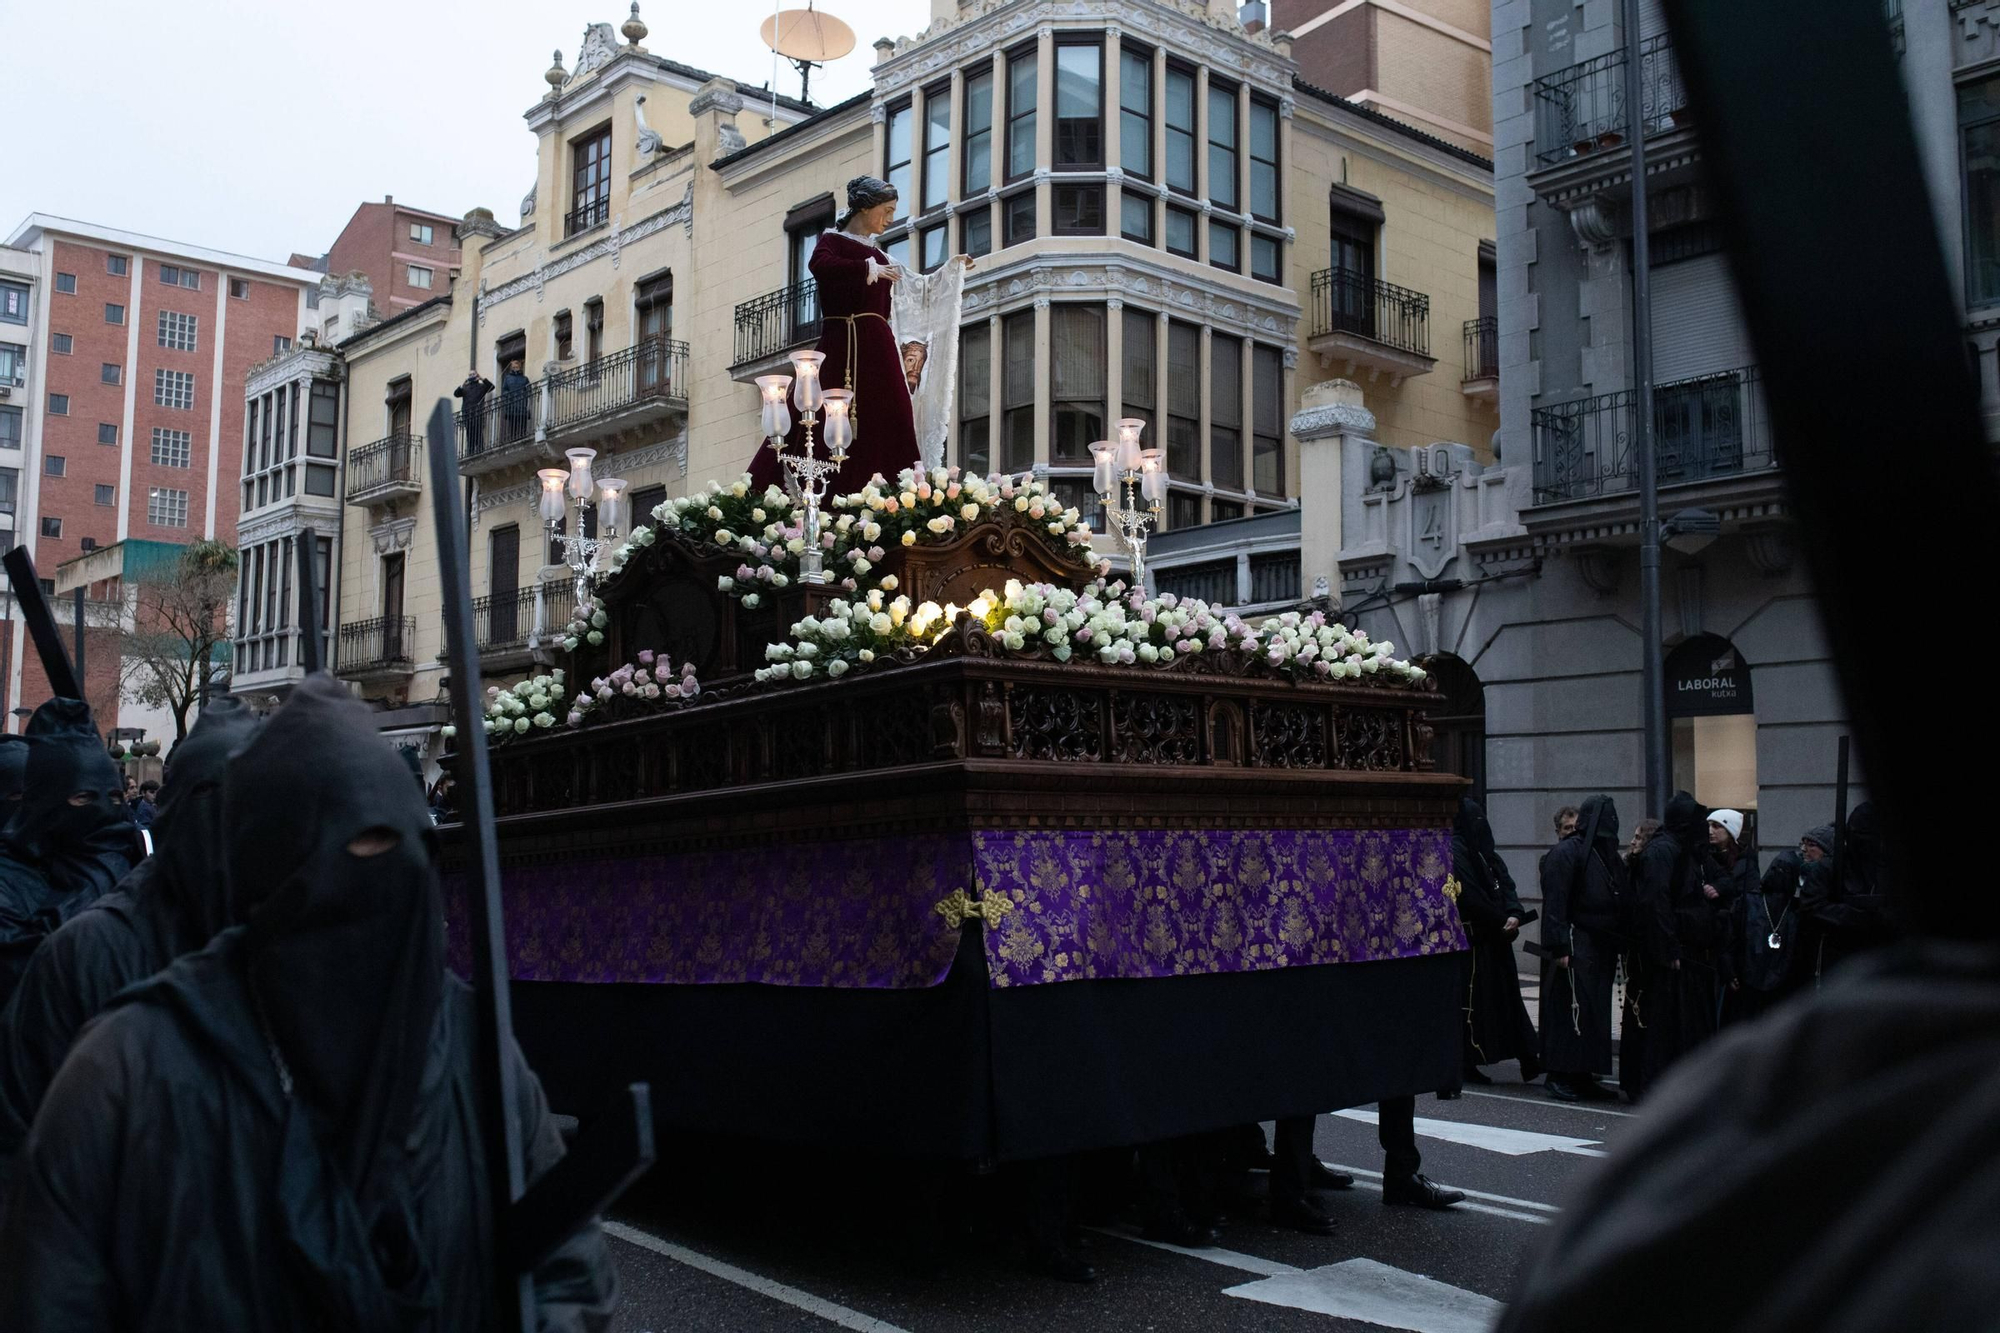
<point x="862" y="356"/>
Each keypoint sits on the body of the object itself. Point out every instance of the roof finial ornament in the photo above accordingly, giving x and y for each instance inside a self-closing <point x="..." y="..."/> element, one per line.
<point x="557" y="76"/>
<point x="634" y="29"/>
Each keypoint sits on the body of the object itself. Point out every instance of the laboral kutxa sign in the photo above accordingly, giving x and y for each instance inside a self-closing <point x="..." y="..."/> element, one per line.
<point x="1706" y="676"/>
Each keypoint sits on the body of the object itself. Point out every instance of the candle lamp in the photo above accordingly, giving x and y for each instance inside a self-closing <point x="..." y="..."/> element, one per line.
<point x="1131" y="486"/>
<point x="808" y="474"/>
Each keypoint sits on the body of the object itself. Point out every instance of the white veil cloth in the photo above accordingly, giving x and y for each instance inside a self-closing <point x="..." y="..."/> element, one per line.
<point x="924" y="308"/>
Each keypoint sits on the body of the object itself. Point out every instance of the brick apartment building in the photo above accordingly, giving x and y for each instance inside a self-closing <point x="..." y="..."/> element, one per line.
<point x="124" y="419"/>
<point x="408" y="255"/>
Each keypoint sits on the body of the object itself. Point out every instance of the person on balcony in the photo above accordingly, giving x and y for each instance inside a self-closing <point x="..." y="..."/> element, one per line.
<point x="516" y="402"/>
<point x="473" y="392"/>
<point x="857" y="287"/>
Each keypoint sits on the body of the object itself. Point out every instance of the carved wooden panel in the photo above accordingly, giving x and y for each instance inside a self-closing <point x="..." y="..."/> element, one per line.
<point x="1049" y="723"/>
<point x="1371" y="739"/>
<point x="1152" y="728"/>
<point x="1288" y="735"/>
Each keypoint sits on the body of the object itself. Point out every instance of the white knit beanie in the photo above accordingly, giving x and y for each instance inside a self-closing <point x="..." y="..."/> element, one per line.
<point x="1731" y="821"/>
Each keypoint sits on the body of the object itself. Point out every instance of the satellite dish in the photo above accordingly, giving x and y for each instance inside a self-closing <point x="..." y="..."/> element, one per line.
<point x="807" y="38"/>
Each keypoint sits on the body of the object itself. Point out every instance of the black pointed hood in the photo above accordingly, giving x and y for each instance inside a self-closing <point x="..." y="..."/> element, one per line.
<point x="345" y="949"/>
<point x="88" y="845"/>
<point x="1605" y="812"/>
<point x="1687" y="819"/>
<point x="188" y="838"/>
<point x="1473" y="826"/>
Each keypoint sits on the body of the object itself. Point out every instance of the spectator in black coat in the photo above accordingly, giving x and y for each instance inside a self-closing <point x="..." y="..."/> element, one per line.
<point x="1676" y="937"/>
<point x="1765" y="925"/>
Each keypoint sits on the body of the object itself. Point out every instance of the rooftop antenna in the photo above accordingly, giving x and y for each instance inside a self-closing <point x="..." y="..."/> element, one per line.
<point x="807" y="38"/>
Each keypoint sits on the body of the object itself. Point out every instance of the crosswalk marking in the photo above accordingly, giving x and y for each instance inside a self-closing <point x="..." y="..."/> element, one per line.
<point x="1477" y="1201"/>
<point x="1492" y="1138"/>
<point x="1588" y="1108"/>
<point x="763" y="1286"/>
<point x="1376" y="1293"/>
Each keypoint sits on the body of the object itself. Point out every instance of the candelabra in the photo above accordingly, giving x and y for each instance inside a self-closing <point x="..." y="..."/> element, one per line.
<point x="1122" y="468"/>
<point x="582" y="551"/>
<point x="807" y="475"/>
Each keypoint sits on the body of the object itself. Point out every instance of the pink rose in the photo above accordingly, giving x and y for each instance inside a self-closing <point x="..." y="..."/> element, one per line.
<point x="889" y="505"/>
<point x="576" y="719"/>
<point x="646" y="656"/>
<point x="951" y="492"/>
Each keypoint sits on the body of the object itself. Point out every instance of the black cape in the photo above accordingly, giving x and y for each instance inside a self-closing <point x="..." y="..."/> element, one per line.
<point x="140" y="1200"/>
<point x="1828" y="1170"/>
<point x="1497" y="1026"/>
<point x="1583" y="887"/>
<point x="1674" y="972"/>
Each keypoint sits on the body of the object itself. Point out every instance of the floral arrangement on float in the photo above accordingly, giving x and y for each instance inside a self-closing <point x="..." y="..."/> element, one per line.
<point x="519" y="709"/>
<point x="766" y="531"/>
<point x="1106" y="623"/>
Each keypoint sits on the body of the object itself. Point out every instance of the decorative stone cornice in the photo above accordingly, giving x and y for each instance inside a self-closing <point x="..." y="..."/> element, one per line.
<point x="393" y="535"/>
<point x="1332" y="407"/>
<point x="720" y="95"/>
<point x="609" y="244"/>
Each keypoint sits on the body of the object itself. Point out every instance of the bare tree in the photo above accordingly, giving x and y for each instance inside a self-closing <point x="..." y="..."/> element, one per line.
<point x="179" y="613"/>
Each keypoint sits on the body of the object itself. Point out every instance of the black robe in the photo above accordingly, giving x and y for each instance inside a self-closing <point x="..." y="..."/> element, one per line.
<point x="1828" y="1170"/>
<point x="1583" y="886"/>
<point x="145" y="1199"/>
<point x="1764" y="972"/>
<point x="1497" y="1026"/>
<point x="1677" y="954"/>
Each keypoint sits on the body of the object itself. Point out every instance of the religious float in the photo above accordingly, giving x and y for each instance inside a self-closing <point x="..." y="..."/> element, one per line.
<point x="963" y="852"/>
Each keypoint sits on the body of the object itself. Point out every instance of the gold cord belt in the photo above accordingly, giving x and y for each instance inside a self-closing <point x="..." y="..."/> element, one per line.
<point x="854" y="404"/>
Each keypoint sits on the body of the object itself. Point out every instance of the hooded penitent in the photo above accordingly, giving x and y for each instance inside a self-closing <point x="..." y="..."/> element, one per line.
<point x="1583" y="886"/>
<point x="1497" y="1026"/>
<point x="1680" y="935"/>
<point x="279" y="1131"/>
<point x="172" y="903"/>
<point x="68" y="839"/>
<point x="330" y="864"/>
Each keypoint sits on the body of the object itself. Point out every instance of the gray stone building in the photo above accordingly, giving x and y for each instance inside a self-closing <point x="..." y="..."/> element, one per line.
<point x="1518" y="579"/>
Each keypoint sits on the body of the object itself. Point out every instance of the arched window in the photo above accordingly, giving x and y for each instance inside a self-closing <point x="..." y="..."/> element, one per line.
<point x="1458" y="727"/>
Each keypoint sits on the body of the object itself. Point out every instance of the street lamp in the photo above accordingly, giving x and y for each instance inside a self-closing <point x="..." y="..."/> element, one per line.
<point x="1691" y="531"/>
<point x="582" y="554"/>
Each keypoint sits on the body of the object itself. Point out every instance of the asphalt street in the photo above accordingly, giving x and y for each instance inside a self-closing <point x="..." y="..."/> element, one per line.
<point x="766" y="1241"/>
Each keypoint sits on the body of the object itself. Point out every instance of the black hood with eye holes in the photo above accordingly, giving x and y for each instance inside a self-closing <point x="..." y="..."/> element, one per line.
<point x="344" y="954"/>
<point x="189" y="840"/>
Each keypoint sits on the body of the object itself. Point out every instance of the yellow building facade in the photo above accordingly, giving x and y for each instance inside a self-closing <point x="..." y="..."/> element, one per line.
<point x="1166" y="225"/>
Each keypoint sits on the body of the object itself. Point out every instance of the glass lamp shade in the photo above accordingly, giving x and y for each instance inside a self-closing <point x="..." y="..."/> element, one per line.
<point x="806" y="393"/>
<point x="1128" y="451"/>
<point x="581" y="483"/>
<point x="610" y="505"/>
<point x="1104" y="457"/>
<point x="1132" y="426"/>
<point x="1153" y="475"/>
<point x="838" y="430"/>
<point x="554" y="480"/>
<point x="777" y="419"/>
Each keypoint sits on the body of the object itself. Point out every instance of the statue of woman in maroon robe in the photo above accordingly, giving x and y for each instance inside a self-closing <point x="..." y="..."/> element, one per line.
<point x="857" y="282"/>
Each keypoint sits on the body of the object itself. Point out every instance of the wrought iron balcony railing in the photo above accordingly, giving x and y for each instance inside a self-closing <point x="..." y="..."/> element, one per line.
<point x="395" y="463"/>
<point x="508" y="416"/>
<point x="1347" y="302"/>
<point x="777" y="322"/>
<point x="1482" y="348"/>
<point x="649" y="371"/>
<point x="1710" y="426"/>
<point x="508" y="620"/>
<point x="1581" y="109"/>
<point x="590" y="213"/>
<point x="373" y="645"/>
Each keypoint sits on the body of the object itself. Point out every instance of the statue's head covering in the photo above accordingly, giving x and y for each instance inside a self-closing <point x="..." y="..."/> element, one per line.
<point x="866" y="192"/>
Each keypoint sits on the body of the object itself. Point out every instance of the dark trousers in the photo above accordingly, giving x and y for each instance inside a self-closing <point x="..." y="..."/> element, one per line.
<point x="1395" y="1127"/>
<point x="1181" y="1178"/>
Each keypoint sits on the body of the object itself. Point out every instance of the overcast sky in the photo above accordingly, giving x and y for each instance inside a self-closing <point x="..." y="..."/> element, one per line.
<point x="257" y="126"/>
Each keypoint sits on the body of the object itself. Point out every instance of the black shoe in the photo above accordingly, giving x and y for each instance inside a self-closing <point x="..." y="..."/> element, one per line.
<point x="1323" y="1177"/>
<point x="1420" y="1191"/>
<point x="1473" y="1074"/>
<point x="1560" y="1090"/>
<point x="1449" y="1094"/>
<point x="1530" y="1070"/>
<point x="1181" y="1231"/>
<point x="1061" y="1265"/>
<point x="1301" y="1215"/>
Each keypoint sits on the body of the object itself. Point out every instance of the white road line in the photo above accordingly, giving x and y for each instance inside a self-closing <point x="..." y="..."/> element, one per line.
<point x="1491" y="1138"/>
<point x="1588" y="1108"/>
<point x="763" y="1286"/>
<point x="1376" y="1293"/>
<point x="1372" y="1180"/>
<point x="1215" y="1254"/>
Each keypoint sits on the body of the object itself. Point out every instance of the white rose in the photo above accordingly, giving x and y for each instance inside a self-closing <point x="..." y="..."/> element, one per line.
<point x="836" y="667"/>
<point x="968" y="512"/>
<point x="865" y="655"/>
<point x="715" y="513"/>
<point x="881" y="624"/>
<point x="802" y="670"/>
